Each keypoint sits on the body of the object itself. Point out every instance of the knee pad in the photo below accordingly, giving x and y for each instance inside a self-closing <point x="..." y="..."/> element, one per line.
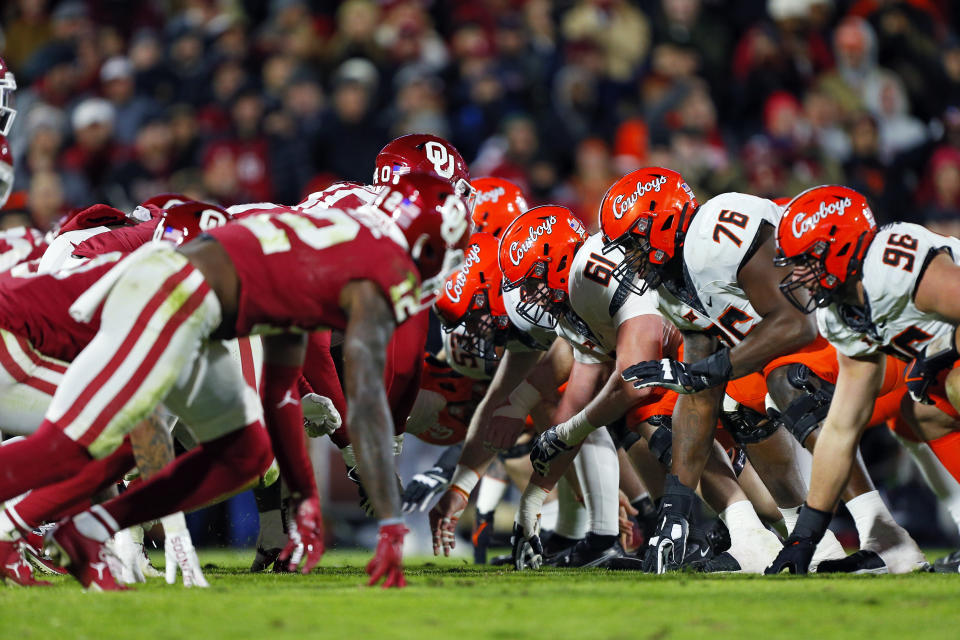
<point x="804" y="414"/>
<point x="517" y="450"/>
<point x="747" y="426"/>
<point x="661" y="442"/>
<point x="619" y="431"/>
<point x="630" y="439"/>
<point x="738" y="459"/>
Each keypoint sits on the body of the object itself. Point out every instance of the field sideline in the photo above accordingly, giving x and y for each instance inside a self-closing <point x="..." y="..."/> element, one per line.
<point x="451" y="599"/>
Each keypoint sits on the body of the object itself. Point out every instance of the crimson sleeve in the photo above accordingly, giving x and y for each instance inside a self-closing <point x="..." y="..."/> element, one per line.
<point x="284" y="419"/>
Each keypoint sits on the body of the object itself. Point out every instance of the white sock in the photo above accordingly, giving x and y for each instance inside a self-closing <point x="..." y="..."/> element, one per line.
<point x="490" y="493"/>
<point x="598" y="470"/>
<point x="571" y="514"/>
<point x="740" y="518"/>
<point x="866" y="509"/>
<point x="548" y="516"/>
<point x="944" y="485"/>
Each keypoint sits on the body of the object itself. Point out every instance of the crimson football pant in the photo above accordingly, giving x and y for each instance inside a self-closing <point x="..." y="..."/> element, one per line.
<point x="71" y="496"/>
<point x="199" y="477"/>
<point x="152" y="347"/>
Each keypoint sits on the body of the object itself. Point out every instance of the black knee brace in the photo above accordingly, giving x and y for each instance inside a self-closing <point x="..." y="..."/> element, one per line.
<point x="661" y="442"/>
<point x="747" y="426"/>
<point x="804" y="414"/>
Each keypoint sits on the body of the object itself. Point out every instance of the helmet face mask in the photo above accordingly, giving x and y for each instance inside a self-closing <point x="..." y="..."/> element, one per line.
<point x="803" y="286"/>
<point x="8" y="85"/>
<point x="540" y="304"/>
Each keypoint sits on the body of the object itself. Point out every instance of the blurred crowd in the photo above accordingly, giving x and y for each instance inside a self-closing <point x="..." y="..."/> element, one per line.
<point x="247" y="100"/>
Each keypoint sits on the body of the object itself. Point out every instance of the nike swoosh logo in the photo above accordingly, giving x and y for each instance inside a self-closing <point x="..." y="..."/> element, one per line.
<point x="704" y="552"/>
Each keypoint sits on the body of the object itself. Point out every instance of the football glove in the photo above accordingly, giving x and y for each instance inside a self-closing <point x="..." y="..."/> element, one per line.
<point x="667" y="548"/>
<point x="682" y="377"/>
<point x="798" y="549"/>
<point x="423" y="487"/>
<point x="354" y="475"/>
<point x="924" y="369"/>
<point x="546" y="447"/>
<point x="527" y="551"/>
<point x="387" y="561"/>
<point x="179" y="554"/>
<point x="320" y="417"/>
<point x="305" y="535"/>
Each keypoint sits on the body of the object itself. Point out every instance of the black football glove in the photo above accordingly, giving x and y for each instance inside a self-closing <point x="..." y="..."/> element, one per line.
<point x="527" y="551"/>
<point x="423" y="487"/>
<point x="798" y="549"/>
<point x="546" y="447"/>
<point x="924" y="369"/>
<point x="667" y="548"/>
<point x="682" y="377"/>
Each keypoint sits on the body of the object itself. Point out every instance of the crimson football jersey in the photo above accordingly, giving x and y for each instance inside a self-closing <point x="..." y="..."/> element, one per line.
<point x="292" y="266"/>
<point x="125" y="239"/>
<point x="20" y="244"/>
<point x="37" y="307"/>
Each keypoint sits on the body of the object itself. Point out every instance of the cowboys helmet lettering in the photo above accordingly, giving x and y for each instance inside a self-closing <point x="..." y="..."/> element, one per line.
<point x="454" y="287"/>
<point x="622" y="205"/>
<point x="518" y="249"/>
<point x="803" y="223"/>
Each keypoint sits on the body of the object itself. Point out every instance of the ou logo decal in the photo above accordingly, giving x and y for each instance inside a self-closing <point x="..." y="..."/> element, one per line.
<point x="442" y="160"/>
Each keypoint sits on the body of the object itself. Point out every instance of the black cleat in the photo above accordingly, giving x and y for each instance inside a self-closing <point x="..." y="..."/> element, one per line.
<point x="860" y="562"/>
<point x="718" y="536"/>
<point x="948" y="564"/>
<point x="722" y="563"/>
<point x="583" y="556"/>
<point x="264" y="559"/>
<point x="482" y="532"/>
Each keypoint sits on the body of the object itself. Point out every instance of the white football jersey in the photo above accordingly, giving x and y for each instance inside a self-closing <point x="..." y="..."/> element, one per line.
<point x="600" y="302"/>
<point x="59" y="255"/>
<point x="464" y="363"/>
<point x="891" y="322"/>
<point x="722" y="237"/>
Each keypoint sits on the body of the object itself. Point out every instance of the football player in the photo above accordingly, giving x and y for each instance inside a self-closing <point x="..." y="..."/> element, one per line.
<point x="162" y="313"/>
<point x="892" y="289"/>
<point x="39" y="338"/>
<point x="711" y="266"/>
<point x="564" y="278"/>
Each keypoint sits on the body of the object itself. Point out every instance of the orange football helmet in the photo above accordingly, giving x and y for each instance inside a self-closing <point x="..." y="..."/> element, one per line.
<point x="536" y="253"/>
<point x="498" y="203"/>
<point x="825" y="232"/>
<point x="472" y="297"/>
<point x="646" y="214"/>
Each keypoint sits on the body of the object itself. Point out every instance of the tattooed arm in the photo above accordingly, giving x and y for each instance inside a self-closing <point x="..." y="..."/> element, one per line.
<point x="152" y="444"/>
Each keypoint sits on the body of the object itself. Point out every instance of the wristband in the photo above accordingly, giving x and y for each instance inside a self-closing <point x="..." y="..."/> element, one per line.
<point x="531" y="503"/>
<point x="576" y="429"/>
<point x="386" y="522"/>
<point x="811" y="523"/>
<point x="464" y="480"/>
<point x="520" y="401"/>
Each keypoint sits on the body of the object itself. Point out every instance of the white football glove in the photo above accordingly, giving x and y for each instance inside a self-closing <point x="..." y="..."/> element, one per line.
<point x="129" y="554"/>
<point x="320" y="417"/>
<point x="179" y="553"/>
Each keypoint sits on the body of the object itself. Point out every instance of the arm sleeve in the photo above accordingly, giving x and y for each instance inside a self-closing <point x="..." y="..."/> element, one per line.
<point x="284" y="420"/>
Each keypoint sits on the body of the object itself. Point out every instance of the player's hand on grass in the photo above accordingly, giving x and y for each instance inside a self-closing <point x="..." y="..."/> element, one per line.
<point x="798" y="550"/>
<point x="681" y="377"/>
<point x="387" y="561"/>
<point x="423" y="487"/>
<point x="546" y="448"/>
<point x="305" y="533"/>
<point x="320" y="417"/>
<point x="527" y="551"/>
<point x="179" y="554"/>
<point x="795" y="556"/>
<point x="443" y="521"/>
<point x="668" y="545"/>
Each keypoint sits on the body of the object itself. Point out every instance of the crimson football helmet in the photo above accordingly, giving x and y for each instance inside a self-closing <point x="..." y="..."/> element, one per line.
<point x="498" y="203"/>
<point x="472" y="297"/>
<point x="824" y="234"/>
<point x="8" y="84"/>
<point x="435" y="225"/>
<point x="184" y="222"/>
<point x="646" y="214"/>
<point x="424" y="153"/>
<point x="536" y="253"/>
<point x="6" y="171"/>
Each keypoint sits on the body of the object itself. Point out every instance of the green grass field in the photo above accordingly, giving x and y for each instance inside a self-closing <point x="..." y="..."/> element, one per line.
<point x="451" y="599"/>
